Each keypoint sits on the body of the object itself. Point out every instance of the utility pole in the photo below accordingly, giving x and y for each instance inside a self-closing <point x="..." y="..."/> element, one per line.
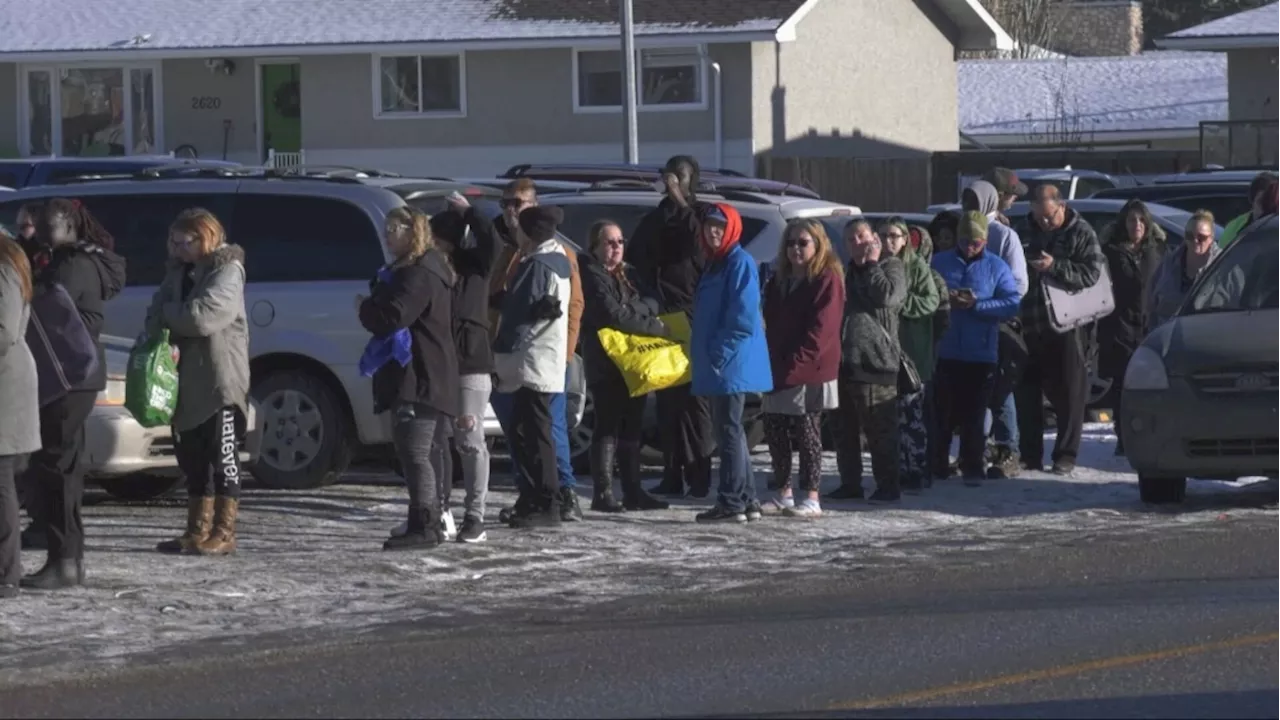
<point x="631" y="140"/>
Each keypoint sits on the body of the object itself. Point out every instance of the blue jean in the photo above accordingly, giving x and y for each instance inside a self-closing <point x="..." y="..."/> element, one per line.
<point x="737" y="480"/>
<point x="1002" y="424"/>
<point x="502" y="409"/>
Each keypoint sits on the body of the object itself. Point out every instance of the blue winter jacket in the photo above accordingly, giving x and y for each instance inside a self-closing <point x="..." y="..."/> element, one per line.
<point x="974" y="334"/>
<point x="728" y="349"/>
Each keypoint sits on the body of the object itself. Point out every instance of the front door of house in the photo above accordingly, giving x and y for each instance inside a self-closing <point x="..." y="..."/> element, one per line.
<point x="281" y="105"/>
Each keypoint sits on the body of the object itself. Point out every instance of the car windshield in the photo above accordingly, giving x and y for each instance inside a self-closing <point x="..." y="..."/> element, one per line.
<point x="1243" y="279"/>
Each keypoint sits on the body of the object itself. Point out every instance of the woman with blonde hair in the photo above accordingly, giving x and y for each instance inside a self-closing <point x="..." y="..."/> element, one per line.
<point x="916" y="336"/>
<point x="414" y="362"/>
<point x="803" y="305"/>
<point x="19" y="407"/>
<point x="615" y="299"/>
<point x="1179" y="269"/>
<point x="200" y="302"/>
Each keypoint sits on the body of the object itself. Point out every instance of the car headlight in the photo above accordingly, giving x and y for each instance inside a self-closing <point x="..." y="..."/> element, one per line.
<point x="1146" y="371"/>
<point x="113" y="395"/>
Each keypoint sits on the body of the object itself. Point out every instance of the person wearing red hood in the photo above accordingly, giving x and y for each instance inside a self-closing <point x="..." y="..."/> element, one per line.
<point x="729" y="355"/>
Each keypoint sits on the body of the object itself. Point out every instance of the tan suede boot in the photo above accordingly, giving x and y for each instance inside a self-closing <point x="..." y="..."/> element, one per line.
<point x="222" y="540"/>
<point x="199" y="524"/>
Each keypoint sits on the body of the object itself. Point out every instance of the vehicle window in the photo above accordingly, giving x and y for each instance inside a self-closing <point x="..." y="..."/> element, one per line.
<point x="290" y="238"/>
<point x="1245" y="278"/>
<point x="14" y="174"/>
<point x="1225" y="208"/>
<point x="579" y="217"/>
<point x="1087" y="186"/>
<point x="140" y="226"/>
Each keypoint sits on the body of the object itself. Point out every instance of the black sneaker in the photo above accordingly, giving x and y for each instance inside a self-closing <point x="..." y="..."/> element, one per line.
<point x="1032" y="466"/>
<point x="754" y="511"/>
<point x="414" y="541"/>
<point x="884" y="496"/>
<point x="718" y="514"/>
<point x="520" y="508"/>
<point x="538" y="519"/>
<point x="846" y="492"/>
<point x="472" y="531"/>
<point x="1063" y="467"/>
<point x="570" y="508"/>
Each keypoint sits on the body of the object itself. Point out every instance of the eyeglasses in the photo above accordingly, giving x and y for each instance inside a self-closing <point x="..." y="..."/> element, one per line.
<point x="396" y="227"/>
<point x="614" y="243"/>
<point x="895" y="236"/>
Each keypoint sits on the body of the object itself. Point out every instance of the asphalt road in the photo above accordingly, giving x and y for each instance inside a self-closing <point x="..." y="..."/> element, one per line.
<point x="1181" y="624"/>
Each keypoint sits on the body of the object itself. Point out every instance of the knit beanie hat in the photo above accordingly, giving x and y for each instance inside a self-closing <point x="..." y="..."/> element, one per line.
<point x="539" y="222"/>
<point x="973" y="225"/>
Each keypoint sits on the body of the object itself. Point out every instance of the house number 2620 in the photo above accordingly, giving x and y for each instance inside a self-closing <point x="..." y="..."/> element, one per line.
<point x="206" y="102"/>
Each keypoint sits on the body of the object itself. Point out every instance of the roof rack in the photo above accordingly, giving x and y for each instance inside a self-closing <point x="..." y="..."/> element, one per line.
<point x="531" y="169"/>
<point x="327" y="171"/>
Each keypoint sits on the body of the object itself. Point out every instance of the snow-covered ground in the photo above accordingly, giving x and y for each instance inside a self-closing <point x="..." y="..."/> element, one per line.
<point x="310" y="560"/>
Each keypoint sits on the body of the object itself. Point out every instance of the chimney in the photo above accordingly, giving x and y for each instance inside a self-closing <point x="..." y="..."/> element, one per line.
<point x="1093" y="28"/>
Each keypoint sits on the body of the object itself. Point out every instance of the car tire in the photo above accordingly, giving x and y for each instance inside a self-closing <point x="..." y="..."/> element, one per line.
<point x="1161" y="490"/>
<point x="306" y="441"/>
<point x="139" y="486"/>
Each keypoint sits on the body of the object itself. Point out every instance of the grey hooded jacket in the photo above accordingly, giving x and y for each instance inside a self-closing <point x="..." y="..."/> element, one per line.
<point x="1170" y="286"/>
<point x="1002" y="239"/>
<point x="19" y="407"/>
<point x="211" y="332"/>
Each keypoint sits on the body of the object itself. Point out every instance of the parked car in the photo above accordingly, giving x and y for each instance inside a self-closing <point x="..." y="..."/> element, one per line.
<point x="1071" y="183"/>
<point x="1213" y="174"/>
<point x="642" y="176"/>
<point x="312" y="243"/>
<point x="18" y="174"/>
<point x="1200" y="394"/>
<point x="1226" y="200"/>
<point x="764" y="219"/>
<point x="127" y="460"/>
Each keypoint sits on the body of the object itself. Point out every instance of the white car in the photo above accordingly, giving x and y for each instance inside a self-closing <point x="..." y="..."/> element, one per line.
<point x="126" y="459"/>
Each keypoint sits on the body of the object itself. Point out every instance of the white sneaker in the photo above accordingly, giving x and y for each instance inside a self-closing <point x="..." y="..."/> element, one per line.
<point x="778" y="505"/>
<point x="804" y="509"/>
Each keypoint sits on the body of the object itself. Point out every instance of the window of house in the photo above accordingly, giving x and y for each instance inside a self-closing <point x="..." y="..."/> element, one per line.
<point x="667" y="78"/>
<point x="95" y="111"/>
<point x="412" y="85"/>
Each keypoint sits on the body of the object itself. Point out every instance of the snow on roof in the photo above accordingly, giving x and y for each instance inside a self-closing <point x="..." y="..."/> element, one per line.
<point x="1151" y="91"/>
<point x="1258" y="21"/>
<point x="100" y="25"/>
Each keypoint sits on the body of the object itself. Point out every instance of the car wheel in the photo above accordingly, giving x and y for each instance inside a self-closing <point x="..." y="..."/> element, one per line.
<point x="1161" y="490"/>
<point x="139" y="486"/>
<point x="305" y="438"/>
<point x="580" y="437"/>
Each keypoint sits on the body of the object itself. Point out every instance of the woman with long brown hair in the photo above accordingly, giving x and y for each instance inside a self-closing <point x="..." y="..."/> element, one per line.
<point x="73" y="250"/>
<point x="201" y="302"/>
<point x="19" y="408"/>
<point x="615" y="300"/>
<point x="803" y="304"/>
<point x="411" y="300"/>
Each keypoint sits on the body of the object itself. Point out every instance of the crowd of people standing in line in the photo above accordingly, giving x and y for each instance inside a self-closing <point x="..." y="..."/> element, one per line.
<point x="924" y="333"/>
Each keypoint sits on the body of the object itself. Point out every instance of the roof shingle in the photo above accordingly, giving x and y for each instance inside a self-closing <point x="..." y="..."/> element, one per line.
<point x="1152" y="91"/>
<point x="96" y="25"/>
<point x="1258" y="21"/>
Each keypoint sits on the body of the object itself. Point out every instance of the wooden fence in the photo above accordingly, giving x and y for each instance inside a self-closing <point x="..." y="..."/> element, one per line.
<point x="895" y="184"/>
<point x="912" y="184"/>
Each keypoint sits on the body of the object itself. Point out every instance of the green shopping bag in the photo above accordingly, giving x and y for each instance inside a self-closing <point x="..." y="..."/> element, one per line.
<point x="151" y="381"/>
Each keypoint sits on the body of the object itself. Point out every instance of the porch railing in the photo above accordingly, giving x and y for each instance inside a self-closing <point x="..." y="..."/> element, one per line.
<point x="285" y="159"/>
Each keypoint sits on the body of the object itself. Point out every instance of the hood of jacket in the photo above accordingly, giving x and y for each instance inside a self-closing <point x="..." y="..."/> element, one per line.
<point x="925" y="251"/>
<point x="732" y="230"/>
<point x="437" y="263"/>
<point x="987" y="196"/>
<point x="110" y="266"/>
<point x="1115" y="233"/>
<point x="224" y="255"/>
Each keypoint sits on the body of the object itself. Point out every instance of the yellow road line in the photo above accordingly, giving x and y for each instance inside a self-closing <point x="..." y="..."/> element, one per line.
<point x="1052" y="673"/>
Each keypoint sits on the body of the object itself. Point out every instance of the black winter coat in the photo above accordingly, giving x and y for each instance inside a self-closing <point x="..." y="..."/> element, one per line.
<point x="607" y="304"/>
<point x="1133" y="268"/>
<point x="474" y="264"/>
<point x="418" y="297"/>
<point x="665" y="252"/>
<point x="91" y="276"/>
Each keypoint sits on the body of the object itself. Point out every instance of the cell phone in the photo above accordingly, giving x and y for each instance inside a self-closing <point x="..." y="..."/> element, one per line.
<point x="967" y="292"/>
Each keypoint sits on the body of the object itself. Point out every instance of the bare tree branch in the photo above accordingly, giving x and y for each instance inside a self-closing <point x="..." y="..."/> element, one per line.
<point x="1032" y="23"/>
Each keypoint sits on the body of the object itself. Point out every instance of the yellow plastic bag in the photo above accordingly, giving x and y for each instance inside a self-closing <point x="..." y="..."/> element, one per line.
<point x="651" y="363"/>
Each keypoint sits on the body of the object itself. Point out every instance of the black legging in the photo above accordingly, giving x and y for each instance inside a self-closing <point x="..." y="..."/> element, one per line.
<point x="619" y="417"/>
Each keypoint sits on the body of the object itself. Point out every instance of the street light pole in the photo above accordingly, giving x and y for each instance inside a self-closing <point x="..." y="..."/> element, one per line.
<point x="631" y="141"/>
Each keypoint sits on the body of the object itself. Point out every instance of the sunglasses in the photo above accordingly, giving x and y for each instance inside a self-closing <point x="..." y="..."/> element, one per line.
<point x="614" y="243"/>
<point x="798" y="243"/>
<point x="510" y="202"/>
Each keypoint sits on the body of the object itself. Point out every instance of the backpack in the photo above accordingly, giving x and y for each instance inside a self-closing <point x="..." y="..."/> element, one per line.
<point x="66" y="354"/>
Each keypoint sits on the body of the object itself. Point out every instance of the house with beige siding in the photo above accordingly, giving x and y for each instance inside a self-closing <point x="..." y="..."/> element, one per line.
<point x="1251" y="41"/>
<point x="470" y="87"/>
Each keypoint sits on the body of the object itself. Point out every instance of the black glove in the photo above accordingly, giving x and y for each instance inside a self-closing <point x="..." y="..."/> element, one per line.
<point x="546" y="308"/>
